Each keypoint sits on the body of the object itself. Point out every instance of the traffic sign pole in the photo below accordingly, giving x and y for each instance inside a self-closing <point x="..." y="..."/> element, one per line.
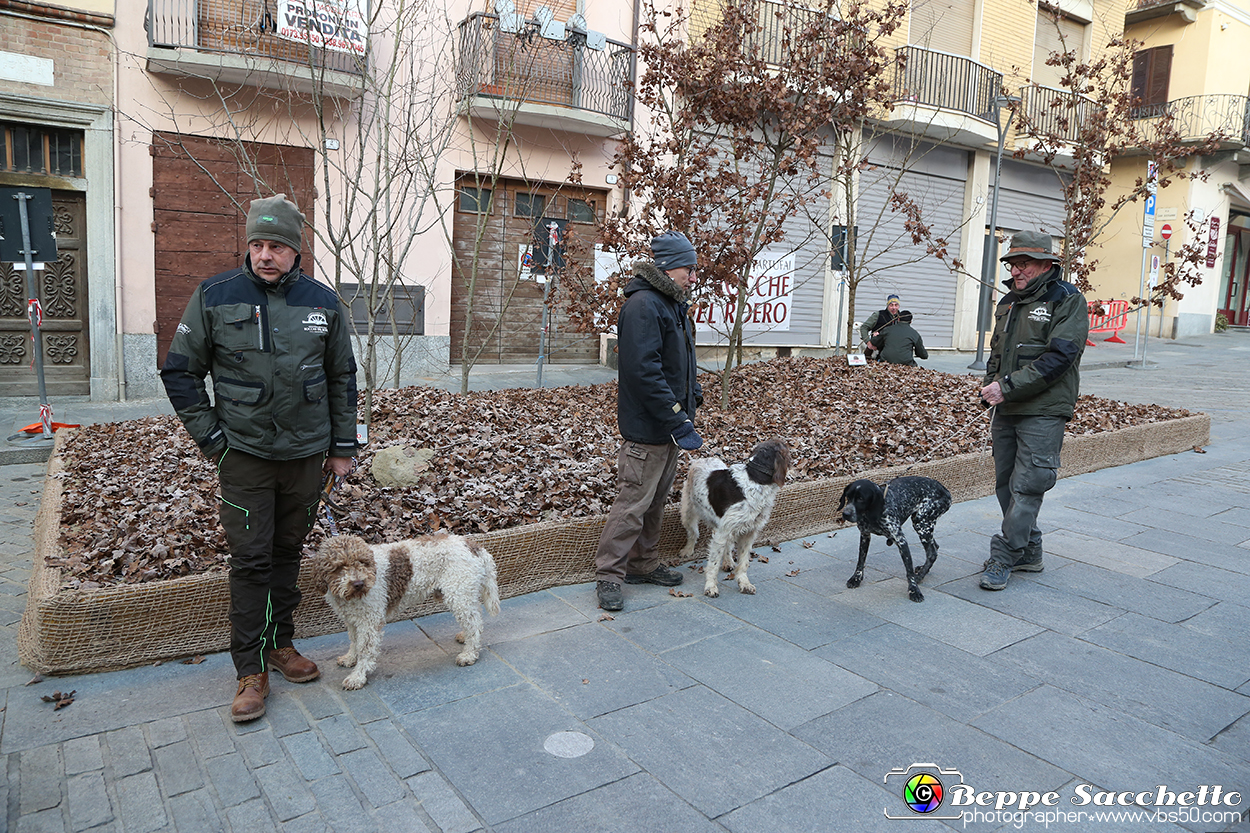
<point x="1147" y="240"/>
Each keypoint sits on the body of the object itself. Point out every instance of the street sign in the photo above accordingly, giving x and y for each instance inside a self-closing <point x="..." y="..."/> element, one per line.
<point x="1154" y="271"/>
<point x="1166" y="231"/>
<point x="1148" y="223"/>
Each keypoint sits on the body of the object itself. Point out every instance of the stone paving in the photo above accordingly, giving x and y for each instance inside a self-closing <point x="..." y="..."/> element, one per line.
<point x="1124" y="666"/>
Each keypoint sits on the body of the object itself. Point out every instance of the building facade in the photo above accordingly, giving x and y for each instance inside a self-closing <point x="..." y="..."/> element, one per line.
<point x="1192" y="68"/>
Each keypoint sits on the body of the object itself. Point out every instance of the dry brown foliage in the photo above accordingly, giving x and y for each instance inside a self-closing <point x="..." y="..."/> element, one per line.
<point x="140" y="501"/>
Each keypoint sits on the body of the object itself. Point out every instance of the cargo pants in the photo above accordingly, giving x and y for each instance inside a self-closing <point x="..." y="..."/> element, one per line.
<point x="1026" y="465"/>
<point x="645" y="475"/>
<point x="267" y="509"/>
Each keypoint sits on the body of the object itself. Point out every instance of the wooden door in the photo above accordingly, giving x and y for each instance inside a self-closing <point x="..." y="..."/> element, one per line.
<point x="62" y="293"/>
<point x="201" y="189"/>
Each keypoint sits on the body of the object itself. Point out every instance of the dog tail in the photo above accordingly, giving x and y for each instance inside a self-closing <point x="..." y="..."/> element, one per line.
<point x="490" y="588"/>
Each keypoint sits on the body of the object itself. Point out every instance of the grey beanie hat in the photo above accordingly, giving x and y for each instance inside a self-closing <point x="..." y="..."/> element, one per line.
<point x="275" y="218"/>
<point x="1034" y="244"/>
<point x="672" y="250"/>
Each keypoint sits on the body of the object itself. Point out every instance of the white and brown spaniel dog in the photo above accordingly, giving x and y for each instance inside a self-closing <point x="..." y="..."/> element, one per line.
<point x="363" y="583"/>
<point x="735" y="501"/>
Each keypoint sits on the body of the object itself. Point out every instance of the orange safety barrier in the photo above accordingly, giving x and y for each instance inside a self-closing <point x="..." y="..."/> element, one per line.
<point x="1112" y="319"/>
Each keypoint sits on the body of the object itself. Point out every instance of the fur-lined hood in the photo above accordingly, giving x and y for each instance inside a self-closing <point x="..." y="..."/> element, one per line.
<point x="647" y="274"/>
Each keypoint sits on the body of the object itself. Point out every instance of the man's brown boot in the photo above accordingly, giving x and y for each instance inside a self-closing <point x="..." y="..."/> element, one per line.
<point x="296" y="668"/>
<point x="249" y="700"/>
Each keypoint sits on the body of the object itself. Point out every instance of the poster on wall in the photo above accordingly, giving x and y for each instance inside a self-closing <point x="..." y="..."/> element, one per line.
<point x="337" y="25"/>
<point x="768" y="301"/>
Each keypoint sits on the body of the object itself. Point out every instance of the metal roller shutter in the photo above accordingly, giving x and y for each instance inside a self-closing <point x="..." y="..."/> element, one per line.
<point x="925" y="285"/>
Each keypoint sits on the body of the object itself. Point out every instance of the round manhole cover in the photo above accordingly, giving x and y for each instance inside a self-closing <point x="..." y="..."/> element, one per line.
<point x="569" y="744"/>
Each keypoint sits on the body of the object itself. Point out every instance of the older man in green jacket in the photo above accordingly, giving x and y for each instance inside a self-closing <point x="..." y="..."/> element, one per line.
<point x="283" y="412"/>
<point x="1032" y="380"/>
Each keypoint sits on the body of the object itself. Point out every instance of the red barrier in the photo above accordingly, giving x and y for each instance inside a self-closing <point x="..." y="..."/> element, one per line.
<point x="1112" y="319"/>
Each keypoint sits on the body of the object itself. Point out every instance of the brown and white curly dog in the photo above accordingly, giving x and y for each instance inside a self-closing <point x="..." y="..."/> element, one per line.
<point x="363" y="583"/>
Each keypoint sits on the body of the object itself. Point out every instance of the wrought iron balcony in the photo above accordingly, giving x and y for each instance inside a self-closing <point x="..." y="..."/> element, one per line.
<point x="526" y="68"/>
<point x="1055" y="113"/>
<point x="1196" y="117"/>
<point x="948" y="82"/>
<point x="230" y="39"/>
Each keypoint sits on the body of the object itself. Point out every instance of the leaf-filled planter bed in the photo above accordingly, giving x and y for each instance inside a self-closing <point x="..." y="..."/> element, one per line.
<point x="130" y="562"/>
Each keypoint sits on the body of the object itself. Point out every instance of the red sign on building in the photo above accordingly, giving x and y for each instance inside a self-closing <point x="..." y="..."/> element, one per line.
<point x="1213" y="242"/>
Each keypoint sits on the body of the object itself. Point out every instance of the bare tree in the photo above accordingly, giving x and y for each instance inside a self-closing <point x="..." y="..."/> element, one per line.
<point x="378" y="120"/>
<point x="1091" y="121"/>
<point x="746" y="101"/>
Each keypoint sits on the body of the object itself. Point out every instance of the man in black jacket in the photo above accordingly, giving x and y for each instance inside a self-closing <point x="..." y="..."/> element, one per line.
<point x="283" y="412"/>
<point x="656" y="401"/>
<point x="1032" y="380"/>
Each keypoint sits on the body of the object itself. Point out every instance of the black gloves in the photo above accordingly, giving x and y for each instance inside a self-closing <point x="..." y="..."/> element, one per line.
<point x="686" y="437"/>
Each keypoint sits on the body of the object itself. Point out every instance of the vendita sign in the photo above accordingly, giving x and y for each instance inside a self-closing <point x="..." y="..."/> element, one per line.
<point x="329" y="25"/>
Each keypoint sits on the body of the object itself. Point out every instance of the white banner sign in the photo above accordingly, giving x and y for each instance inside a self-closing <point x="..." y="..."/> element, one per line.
<point x="338" y="25"/>
<point x="768" y="302"/>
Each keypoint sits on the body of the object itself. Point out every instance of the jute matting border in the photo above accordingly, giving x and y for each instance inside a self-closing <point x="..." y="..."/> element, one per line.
<point x="76" y="631"/>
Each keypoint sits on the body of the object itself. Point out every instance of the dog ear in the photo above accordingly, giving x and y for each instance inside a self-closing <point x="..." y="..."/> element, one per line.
<point x="846" y="491"/>
<point x="781" y="463"/>
<point x="876" y="499"/>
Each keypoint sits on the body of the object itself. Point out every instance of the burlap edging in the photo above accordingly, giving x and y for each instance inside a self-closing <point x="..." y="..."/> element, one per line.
<point x="79" y="631"/>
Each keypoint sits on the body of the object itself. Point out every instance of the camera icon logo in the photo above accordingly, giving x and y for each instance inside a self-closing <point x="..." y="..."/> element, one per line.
<point x="923" y="787"/>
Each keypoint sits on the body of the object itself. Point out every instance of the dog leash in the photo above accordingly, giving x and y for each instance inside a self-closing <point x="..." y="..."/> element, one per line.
<point x="327" y="487"/>
<point x="961" y="430"/>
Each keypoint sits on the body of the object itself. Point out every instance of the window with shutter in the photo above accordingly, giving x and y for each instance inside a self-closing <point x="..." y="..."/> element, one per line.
<point x="1152" y="69"/>
<point x="1055" y="32"/>
<point x="944" y="25"/>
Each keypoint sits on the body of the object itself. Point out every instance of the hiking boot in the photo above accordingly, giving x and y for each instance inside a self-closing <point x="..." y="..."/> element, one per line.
<point x="995" y="575"/>
<point x="610" y="596"/>
<point x="1028" y="566"/>
<point x="249" y="700"/>
<point x="296" y="668"/>
<point x="661" y="575"/>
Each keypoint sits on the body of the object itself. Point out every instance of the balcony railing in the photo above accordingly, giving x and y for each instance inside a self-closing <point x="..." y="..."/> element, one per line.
<point x="529" y="68"/>
<point x="949" y="82"/>
<point x="1196" y="117"/>
<point x="1054" y="113"/>
<point x="247" y="28"/>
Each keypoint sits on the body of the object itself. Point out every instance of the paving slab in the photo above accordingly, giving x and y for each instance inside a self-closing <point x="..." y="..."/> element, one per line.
<point x="1207" y="581"/>
<point x="591" y="670"/>
<point x="1103" y="746"/>
<point x="888" y="731"/>
<point x="1192" y="548"/>
<point x="923" y="668"/>
<point x="1118" y="556"/>
<point x="780" y="682"/>
<point x="1195" y="709"/>
<point x="491" y="748"/>
<point x="751" y="757"/>
<point x="947" y="618"/>
<point x="673" y="624"/>
<point x="637" y="804"/>
<point x="1117" y="590"/>
<point x="1224" y="662"/>
<point x="111" y="701"/>
<point x="1033" y="601"/>
<point x="792" y="612"/>
<point x="519" y="618"/>
<point x="833" y="800"/>
<point x="414" y="672"/>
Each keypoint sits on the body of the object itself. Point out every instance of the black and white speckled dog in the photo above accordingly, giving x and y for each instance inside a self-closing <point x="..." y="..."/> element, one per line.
<point x="735" y="501"/>
<point x="883" y="512"/>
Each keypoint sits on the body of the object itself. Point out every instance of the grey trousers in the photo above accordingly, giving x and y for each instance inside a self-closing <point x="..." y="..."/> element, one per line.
<point x="1026" y="463"/>
<point x="645" y="475"/>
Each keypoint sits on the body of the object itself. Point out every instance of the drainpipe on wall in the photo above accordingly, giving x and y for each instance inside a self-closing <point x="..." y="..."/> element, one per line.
<point x="118" y="295"/>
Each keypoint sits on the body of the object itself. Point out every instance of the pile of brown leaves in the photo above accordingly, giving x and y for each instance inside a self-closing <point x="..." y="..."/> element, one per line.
<point x="140" y="500"/>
